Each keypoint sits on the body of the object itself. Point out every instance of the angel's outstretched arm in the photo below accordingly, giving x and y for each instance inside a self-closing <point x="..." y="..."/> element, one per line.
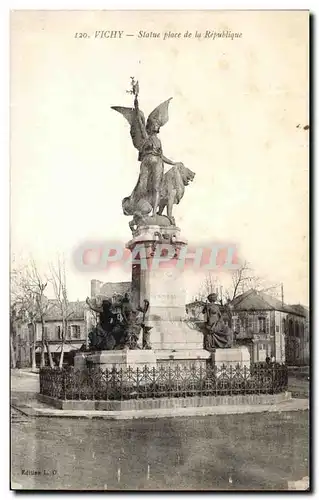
<point x="141" y="124"/>
<point x="168" y="161"/>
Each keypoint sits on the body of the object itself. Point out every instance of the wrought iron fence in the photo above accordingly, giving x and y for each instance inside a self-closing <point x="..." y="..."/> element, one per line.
<point x="162" y="381"/>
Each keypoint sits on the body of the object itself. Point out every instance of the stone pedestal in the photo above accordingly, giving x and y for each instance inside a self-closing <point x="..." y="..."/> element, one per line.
<point x="232" y="358"/>
<point x="162" y="284"/>
<point x="80" y="360"/>
<point x="123" y="359"/>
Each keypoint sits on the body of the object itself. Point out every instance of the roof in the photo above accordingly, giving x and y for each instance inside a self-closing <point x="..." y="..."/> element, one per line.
<point x="300" y="309"/>
<point x="253" y="300"/>
<point x="76" y="310"/>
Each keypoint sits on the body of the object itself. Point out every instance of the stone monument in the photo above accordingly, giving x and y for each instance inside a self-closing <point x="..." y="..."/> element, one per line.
<point x="114" y="342"/>
<point x="157" y="303"/>
<point x="153" y="234"/>
<point x="218" y="337"/>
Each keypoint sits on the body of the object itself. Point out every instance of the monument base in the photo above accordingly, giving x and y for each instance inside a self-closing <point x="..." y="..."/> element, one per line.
<point x="80" y="360"/>
<point x="231" y="357"/>
<point x="136" y="358"/>
<point x="140" y="358"/>
<point x="182" y="357"/>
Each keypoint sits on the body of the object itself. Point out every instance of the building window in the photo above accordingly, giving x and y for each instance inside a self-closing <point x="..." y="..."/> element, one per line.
<point x="244" y="322"/>
<point x="46" y="333"/>
<point x="58" y="332"/>
<point x="252" y="323"/>
<point x="267" y="325"/>
<point x="75" y="331"/>
<point x="291" y="328"/>
<point x="235" y="324"/>
<point x="261" y="353"/>
<point x="262" y="324"/>
<point x="283" y="326"/>
<point x="277" y="328"/>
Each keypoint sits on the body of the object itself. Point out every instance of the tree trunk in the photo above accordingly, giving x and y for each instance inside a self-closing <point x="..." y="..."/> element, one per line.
<point x="34" y="340"/>
<point x="13" y="342"/>
<point x="64" y="329"/>
<point x="51" y="362"/>
<point x="13" y="354"/>
<point x="62" y="355"/>
<point x="42" y="361"/>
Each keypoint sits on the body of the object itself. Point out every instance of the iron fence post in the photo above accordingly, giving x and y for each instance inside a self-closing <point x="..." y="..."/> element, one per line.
<point x="138" y="382"/>
<point x="63" y="385"/>
<point x="154" y="381"/>
<point x="231" y="376"/>
<point x="169" y="381"/>
<point x="200" y="379"/>
<point x="121" y="383"/>
<point x="273" y="368"/>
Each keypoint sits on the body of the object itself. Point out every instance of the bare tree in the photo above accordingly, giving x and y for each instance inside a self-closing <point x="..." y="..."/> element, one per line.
<point x="58" y="280"/>
<point x="35" y="286"/>
<point x="22" y="309"/>
<point x="211" y="284"/>
<point x="18" y="312"/>
<point x="242" y="279"/>
<point x="14" y="322"/>
<point x="31" y="309"/>
<point x="245" y="278"/>
<point x="15" y="307"/>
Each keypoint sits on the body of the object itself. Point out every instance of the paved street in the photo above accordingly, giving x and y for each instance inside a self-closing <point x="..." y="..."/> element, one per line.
<point x="258" y="451"/>
<point x="299" y="387"/>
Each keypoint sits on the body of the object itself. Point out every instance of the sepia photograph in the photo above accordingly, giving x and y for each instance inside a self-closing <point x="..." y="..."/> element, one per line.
<point x="159" y="250"/>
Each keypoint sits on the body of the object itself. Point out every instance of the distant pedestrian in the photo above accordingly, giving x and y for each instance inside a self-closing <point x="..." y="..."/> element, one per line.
<point x="268" y="360"/>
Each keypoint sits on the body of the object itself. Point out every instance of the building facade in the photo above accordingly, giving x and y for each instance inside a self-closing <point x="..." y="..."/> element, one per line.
<point x="23" y="345"/>
<point x="297" y="336"/>
<point x="266" y="326"/>
<point x="266" y="322"/>
<point x="79" y="323"/>
<point x="81" y="320"/>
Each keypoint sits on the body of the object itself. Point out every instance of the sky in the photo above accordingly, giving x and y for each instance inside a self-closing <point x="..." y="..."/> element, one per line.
<point x="236" y="119"/>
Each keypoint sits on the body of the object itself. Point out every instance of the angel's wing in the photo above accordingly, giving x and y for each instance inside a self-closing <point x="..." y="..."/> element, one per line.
<point x="160" y="114"/>
<point x="126" y="112"/>
<point x="138" y="129"/>
<point x="136" y="119"/>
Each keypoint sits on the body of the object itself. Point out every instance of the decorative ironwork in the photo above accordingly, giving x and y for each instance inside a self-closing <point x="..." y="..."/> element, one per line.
<point x="161" y="382"/>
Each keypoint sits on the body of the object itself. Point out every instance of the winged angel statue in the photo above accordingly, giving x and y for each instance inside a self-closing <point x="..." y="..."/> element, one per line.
<point x="154" y="191"/>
